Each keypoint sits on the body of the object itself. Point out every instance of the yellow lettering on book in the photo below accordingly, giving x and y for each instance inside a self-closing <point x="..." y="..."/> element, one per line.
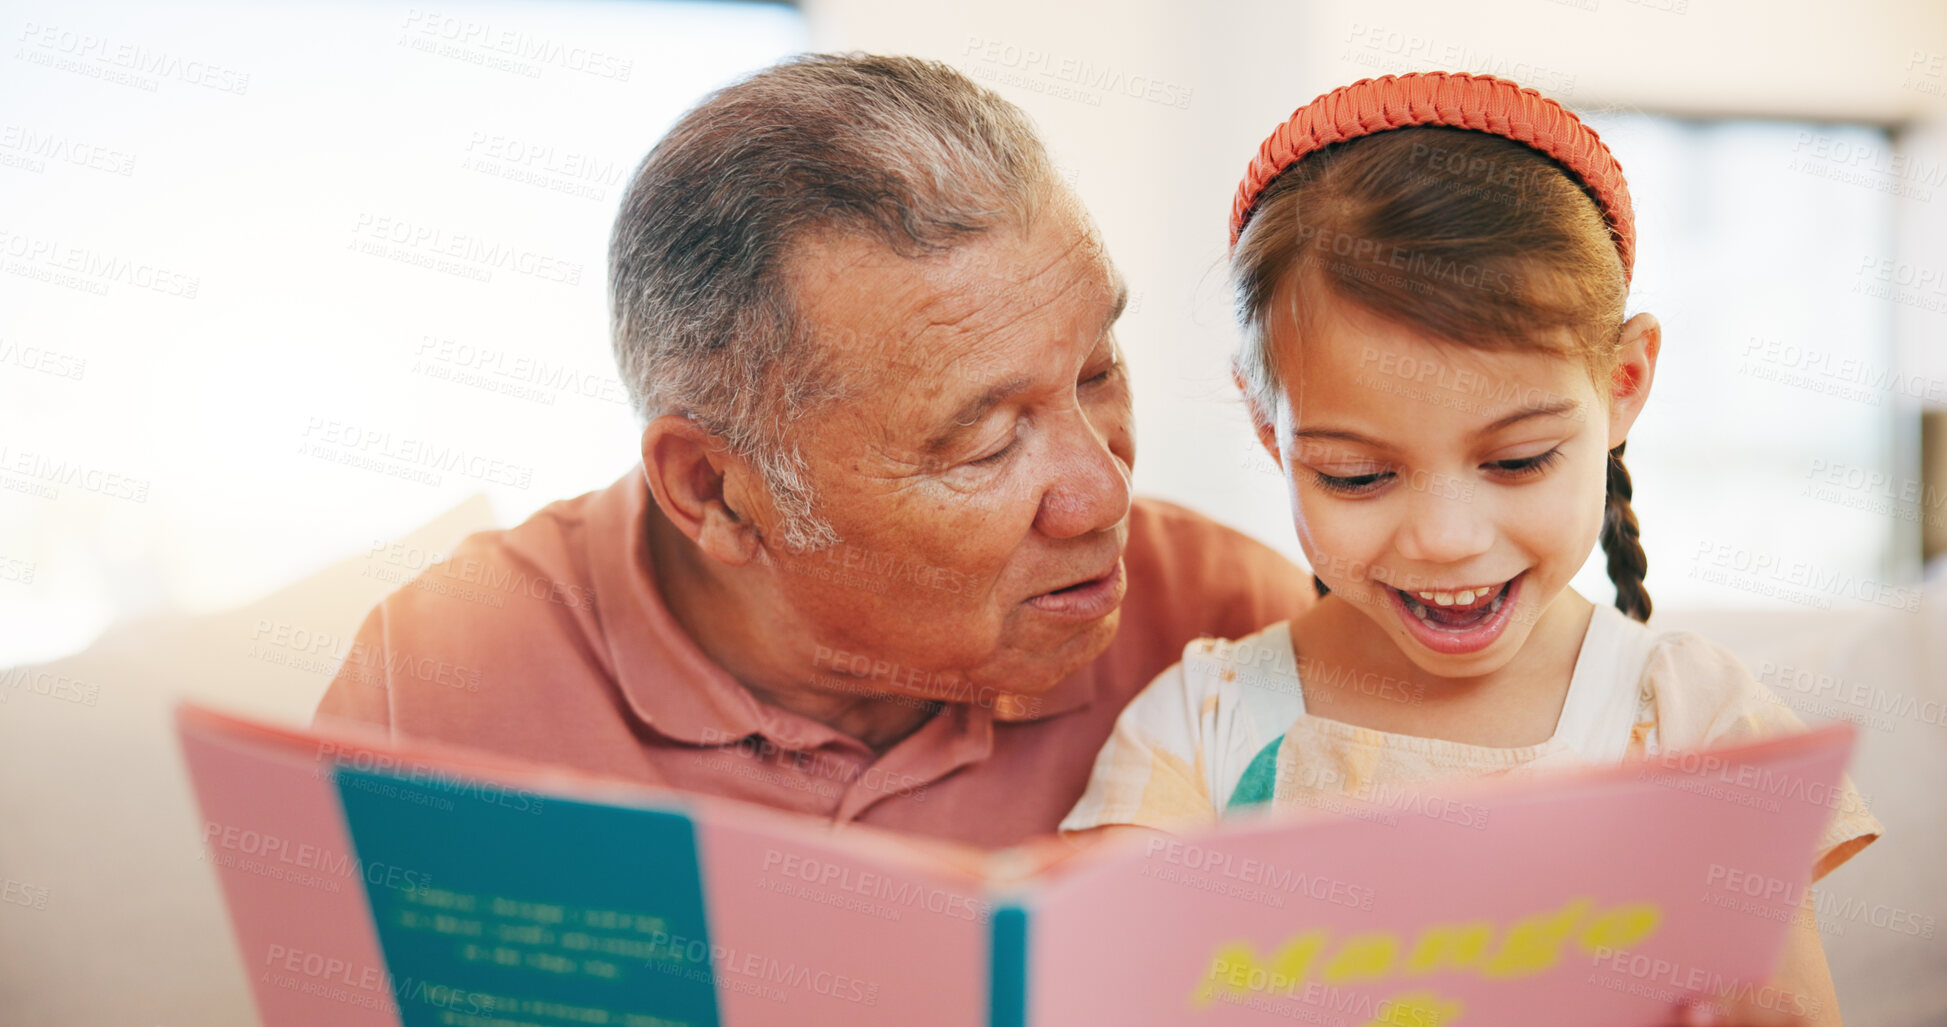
<point x="1416" y="1009"/>
<point x="1530" y="945"/>
<point x="1236" y="967"/>
<point x="1622" y="927"/>
<point x="1450" y="946"/>
<point x="1364" y="957"/>
<point x="1535" y="943"/>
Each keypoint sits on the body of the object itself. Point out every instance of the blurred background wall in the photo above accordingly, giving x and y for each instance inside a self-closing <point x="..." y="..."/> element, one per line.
<point x="294" y="295"/>
<point x="282" y="281"/>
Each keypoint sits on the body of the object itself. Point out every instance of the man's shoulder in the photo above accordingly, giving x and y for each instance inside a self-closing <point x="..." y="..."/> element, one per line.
<point x="1189" y="571"/>
<point x="459" y="642"/>
<point x="1162" y="531"/>
<point x="544" y="560"/>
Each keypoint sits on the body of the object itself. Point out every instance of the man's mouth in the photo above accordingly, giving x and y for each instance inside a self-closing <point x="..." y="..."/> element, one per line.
<point x="1087" y="599"/>
<point x="1458" y="620"/>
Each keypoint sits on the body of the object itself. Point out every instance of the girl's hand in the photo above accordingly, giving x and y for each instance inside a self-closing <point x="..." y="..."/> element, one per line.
<point x="1801" y="993"/>
<point x="1739" y="1013"/>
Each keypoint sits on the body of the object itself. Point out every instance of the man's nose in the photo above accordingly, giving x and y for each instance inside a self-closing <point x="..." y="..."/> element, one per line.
<point x="1088" y="486"/>
<point x="1442" y="527"/>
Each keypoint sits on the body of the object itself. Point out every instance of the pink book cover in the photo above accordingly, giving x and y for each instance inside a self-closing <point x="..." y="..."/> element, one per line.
<point x="372" y="884"/>
<point x="804" y="925"/>
<point x="1598" y="897"/>
<point x="273" y="830"/>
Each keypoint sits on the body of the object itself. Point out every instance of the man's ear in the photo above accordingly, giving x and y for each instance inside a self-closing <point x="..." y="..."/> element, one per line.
<point x="1629" y="386"/>
<point x="696" y="482"/>
<point x="1261" y="423"/>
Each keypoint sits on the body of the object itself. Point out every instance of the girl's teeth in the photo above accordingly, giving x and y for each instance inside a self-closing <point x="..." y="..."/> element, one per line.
<point x="1464" y="597"/>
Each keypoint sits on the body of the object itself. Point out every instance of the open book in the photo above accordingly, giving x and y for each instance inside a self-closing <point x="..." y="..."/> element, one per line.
<point x="371" y="884"/>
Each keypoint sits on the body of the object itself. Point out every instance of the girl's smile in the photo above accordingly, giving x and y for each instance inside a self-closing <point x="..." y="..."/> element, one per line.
<point x="1452" y="519"/>
<point x="1458" y="621"/>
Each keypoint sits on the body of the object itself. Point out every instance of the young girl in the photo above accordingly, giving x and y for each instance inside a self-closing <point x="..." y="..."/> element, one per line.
<point x="1430" y="271"/>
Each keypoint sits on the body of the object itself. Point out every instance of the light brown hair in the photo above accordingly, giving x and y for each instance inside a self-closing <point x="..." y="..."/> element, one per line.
<point x="1469" y="237"/>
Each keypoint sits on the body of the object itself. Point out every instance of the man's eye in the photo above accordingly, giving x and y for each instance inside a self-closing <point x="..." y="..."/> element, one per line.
<point x="995" y="456"/>
<point x="1100" y="377"/>
<point x="1000" y="454"/>
<point x="1351" y="484"/>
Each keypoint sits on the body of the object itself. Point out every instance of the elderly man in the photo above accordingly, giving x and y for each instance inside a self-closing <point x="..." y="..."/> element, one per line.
<point x="880" y="562"/>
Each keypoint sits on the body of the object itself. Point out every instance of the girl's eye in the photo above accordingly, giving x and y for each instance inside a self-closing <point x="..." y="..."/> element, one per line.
<point x="1351" y="485"/>
<point x="1526" y="467"/>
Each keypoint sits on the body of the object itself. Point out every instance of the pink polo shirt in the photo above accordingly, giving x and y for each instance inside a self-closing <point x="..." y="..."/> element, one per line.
<point x="549" y="642"/>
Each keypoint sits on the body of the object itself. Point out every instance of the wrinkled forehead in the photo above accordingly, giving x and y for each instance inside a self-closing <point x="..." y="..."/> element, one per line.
<point x="939" y="320"/>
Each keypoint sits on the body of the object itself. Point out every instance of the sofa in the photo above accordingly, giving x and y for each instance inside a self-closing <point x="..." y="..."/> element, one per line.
<point x="112" y="915"/>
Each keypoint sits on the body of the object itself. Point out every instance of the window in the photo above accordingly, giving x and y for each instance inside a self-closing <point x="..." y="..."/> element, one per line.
<point x="1762" y="459"/>
<point x="271" y="295"/>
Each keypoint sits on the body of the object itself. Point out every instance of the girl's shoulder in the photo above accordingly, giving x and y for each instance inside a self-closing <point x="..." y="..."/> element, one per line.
<point x="1700" y="693"/>
<point x="1653" y="655"/>
<point x="1258" y="671"/>
<point x="1639" y="688"/>
<point x="1224" y="694"/>
<point x="1180" y="746"/>
<point x="1266" y="651"/>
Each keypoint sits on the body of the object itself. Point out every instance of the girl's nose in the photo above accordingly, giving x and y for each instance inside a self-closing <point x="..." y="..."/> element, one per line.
<point x="1444" y="528"/>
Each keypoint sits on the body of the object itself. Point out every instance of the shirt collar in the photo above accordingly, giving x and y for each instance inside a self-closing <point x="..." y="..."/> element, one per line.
<point x="675" y="688"/>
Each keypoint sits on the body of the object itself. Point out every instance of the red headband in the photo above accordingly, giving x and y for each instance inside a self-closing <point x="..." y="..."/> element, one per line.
<point x="1479" y="102"/>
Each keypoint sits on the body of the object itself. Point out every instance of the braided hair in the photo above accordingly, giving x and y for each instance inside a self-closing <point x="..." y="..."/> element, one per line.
<point x="1622" y="542"/>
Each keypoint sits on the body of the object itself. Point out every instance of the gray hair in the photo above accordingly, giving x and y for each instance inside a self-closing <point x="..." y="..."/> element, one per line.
<point x="908" y="152"/>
